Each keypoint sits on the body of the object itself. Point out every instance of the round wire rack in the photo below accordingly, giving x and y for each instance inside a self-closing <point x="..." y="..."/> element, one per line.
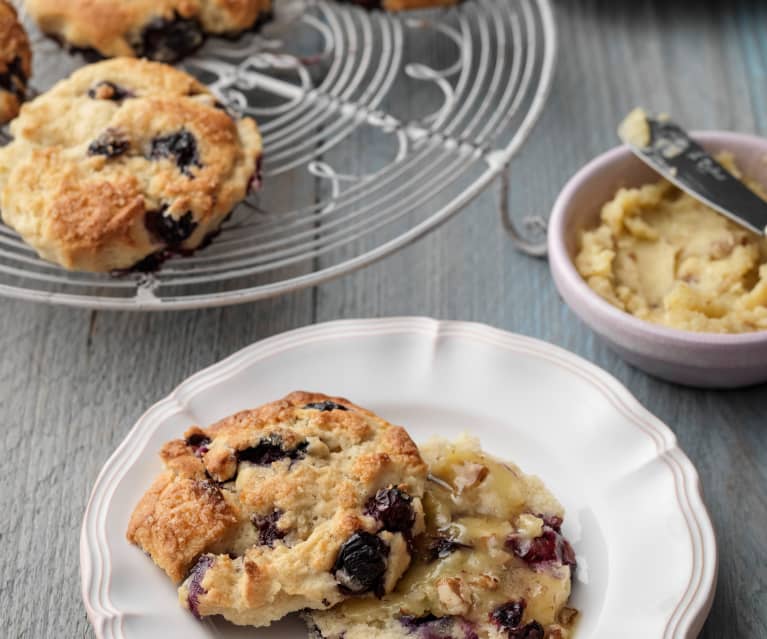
<point x="377" y="128"/>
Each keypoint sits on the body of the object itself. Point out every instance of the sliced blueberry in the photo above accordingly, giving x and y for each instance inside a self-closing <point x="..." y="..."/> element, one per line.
<point x="195" y="583"/>
<point x="325" y="406"/>
<point x="508" y="616"/>
<point x="549" y="547"/>
<point x="170" y="40"/>
<point x="181" y="146"/>
<point x="198" y="443"/>
<point x="443" y="547"/>
<point x="266" y="525"/>
<point x="111" y="144"/>
<point x="106" y="90"/>
<point x="393" y="509"/>
<point x="361" y="564"/>
<point x="270" y="449"/>
<point x="14" y="80"/>
<point x="170" y="230"/>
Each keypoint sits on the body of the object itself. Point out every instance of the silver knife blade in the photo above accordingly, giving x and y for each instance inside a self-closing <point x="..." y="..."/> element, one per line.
<point x="668" y="149"/>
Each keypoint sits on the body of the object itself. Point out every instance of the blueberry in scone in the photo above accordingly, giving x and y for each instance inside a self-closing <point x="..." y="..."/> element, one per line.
<point x="491" y="564"/>
<point x="299" y="504"/>
<point x="15" y="62"/>
<point x="163" y="30"/>
<point x="124" y="160"/>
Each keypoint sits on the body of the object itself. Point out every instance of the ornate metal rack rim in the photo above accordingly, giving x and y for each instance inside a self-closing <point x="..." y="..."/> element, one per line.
<point x="498" y="167"/>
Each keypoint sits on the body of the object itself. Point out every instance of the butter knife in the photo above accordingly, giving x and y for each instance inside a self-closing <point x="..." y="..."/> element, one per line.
<point x="668" y="149"/>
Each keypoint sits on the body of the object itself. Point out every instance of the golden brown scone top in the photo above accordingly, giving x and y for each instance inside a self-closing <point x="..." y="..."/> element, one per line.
<point x="124" y="159"/>
<point x="164" y="30"/>
<point x="261" y="510"/>
<point x="15" y="62"/>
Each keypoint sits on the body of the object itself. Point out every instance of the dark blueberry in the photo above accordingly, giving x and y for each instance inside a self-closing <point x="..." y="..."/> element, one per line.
<point x="508" y="616"/>
<point x="198" y="443"/>
<point x="170" y="230"/>
<point x="270" y="449"/>
<point x="443" y="547"/>
<point x="14" y="79"/>
<point x="412" y="622"/>
<point x="532" y="630"/>
<point x="169" y="40"/>
<point x="111" y="143"/>
<point x="106" y="90"/>
<point x="393" y="509"/>
<point x="150" y="264"/>
<point x="325" y="406"/>
<point x="266" y="525"/>
<point x="550" y="546"/>
<point x="195" y="588"/>
<point x="181" y="146"/>
<point x="361" y="564"/>
<point x="366" y="4"/>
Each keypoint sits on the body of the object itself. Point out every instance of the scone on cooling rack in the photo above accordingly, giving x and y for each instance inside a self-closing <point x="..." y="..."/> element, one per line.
<point x="164" y="30"/>
<point x="298" y="504"/>
<point x="123" y="162"/>
<point x="492" y="563"/>
<point x="15" y="62"/>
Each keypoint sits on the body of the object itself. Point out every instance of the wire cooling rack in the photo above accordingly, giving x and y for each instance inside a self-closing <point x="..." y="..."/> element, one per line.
<point x="377" y="128"/>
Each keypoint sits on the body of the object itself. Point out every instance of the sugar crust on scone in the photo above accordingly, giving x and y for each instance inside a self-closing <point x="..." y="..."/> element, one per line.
<point x="298" y="504"/>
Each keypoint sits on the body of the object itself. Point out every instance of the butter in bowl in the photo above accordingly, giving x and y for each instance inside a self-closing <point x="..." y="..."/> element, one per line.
<point x="675" y="287"/>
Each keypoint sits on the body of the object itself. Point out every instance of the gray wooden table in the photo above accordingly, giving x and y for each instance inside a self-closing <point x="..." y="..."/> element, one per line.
<point x="73" y="382"/>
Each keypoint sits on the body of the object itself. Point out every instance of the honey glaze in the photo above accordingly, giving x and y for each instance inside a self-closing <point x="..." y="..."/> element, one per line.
<point x="492" y="540"/>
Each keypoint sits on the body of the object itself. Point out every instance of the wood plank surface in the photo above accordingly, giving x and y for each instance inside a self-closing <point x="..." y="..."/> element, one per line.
<point x="73" y="382"/>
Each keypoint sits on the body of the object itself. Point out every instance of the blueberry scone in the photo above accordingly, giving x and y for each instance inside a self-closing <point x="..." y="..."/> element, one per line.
<point x="299" y="504"/>
<point x="492" y="564"/>
<point x="15" y="62"/>
<point x="164" y="30"/>
<point x="125" y="160"/>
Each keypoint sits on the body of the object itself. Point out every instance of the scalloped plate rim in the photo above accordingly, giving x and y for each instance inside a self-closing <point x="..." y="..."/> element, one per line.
<point x="687" y="617"/>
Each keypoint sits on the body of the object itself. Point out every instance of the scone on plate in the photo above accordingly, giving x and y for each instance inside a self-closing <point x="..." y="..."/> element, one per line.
<point x="15" y="62"/>
<point x="299" y="504"/>
<point x="123" y="161"/>
<point x="163" y="30"/>
<point x="492" y="564"/>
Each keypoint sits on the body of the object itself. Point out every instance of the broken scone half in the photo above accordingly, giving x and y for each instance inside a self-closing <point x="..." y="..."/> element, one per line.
<point x="298" y="504"/>
<point x="492" y="564"/>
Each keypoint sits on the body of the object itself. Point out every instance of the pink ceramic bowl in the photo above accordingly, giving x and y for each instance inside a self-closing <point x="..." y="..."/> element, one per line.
<point x="694" y="359"/>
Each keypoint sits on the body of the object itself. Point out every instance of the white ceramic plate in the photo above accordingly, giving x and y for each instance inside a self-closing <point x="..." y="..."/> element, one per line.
<point x="645" y="545"/>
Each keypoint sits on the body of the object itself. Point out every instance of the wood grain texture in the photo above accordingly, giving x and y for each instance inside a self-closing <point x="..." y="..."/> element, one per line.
<point x="73" y="382"/>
